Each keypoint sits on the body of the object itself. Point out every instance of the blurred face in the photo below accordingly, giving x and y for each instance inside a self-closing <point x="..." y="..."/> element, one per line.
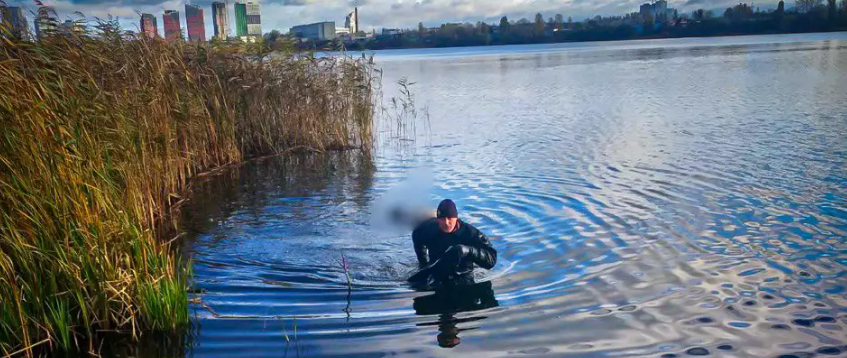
<point x="447" y="225"/>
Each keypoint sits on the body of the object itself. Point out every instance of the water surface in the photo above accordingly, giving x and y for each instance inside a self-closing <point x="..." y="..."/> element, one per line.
<point x="664" y="198"/>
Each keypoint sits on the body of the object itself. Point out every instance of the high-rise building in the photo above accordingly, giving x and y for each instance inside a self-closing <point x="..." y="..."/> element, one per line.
<point x="173" y="30"/>
<point x="195" y="23"/>
<point x="46" y="22"/>
<point x="15" y="21"/>
<point x="240" y="20"/>
<point x="149" y="26"/>
<point x="352" y="21"/>
<point x="254" y="20"/>
<point x="646" y="11"/>
<point x="248" y="21"/>
<point x="316" y="31"/>
<point x="220" y="20"/>
<point x="658" y="11"/>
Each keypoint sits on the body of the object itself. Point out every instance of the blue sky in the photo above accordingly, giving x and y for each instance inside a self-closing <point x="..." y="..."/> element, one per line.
<point x="374" y="14"/>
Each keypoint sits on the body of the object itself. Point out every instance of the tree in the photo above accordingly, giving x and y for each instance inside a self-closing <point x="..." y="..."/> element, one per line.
<point x="833" y="11"/>
<point x="648" y="25"/>
<point x="806" y="6"/>
<point x="844" y="11"/>
<point x="559" y="20"/>
<point x="698" y="14"/>
<point x="779" y="14"/>
<point x="485" y="32"/>
<point x="728" y="13"/>
<point x="539" y="24"/>
<point x="272" y="37"/>
<point x="483" y="28"/>
<point x="742" y="11"/>
<point x="504" y="24"/>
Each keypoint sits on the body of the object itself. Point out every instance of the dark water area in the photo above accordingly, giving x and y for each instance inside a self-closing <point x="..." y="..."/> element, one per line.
<point x="667" y="198"/>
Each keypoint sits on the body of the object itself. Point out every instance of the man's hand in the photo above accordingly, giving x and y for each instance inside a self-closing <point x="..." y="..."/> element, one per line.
<point x="457" y="252"/>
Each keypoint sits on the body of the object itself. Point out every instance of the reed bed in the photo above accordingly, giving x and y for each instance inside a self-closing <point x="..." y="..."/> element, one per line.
<point x="101" y="132"/>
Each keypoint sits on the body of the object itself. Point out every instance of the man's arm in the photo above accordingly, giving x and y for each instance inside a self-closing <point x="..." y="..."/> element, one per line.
<point x="481" y="251"/>
<point x="420" y="248"/>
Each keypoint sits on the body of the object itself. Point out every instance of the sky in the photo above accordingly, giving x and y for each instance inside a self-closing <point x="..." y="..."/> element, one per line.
<point x="373" y="14"/>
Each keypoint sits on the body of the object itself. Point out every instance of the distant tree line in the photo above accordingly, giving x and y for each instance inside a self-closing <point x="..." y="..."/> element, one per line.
<point x="741" y="19"/>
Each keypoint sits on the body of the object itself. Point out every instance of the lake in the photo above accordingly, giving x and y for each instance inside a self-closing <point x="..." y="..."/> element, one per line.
<point x="659" y="198"/>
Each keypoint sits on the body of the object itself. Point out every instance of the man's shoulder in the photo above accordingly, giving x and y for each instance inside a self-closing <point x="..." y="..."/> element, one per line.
<point x="468" y="226"/>
<point x="426" y="226"/>
<point x="474" y="235"/>
<point x="469" y="229"/>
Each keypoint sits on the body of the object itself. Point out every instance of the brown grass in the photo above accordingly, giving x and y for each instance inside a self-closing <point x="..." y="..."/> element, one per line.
<point x="100" y="133"/>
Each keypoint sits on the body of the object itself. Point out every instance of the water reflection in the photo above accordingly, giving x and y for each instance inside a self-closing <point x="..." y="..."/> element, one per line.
<point x="447" y="302"/>
<point x="306" y="183"/>
<point x="150" y="344"/>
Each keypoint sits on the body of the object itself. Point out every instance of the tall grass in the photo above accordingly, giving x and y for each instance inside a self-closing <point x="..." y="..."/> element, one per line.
<point x="101" y="131"/>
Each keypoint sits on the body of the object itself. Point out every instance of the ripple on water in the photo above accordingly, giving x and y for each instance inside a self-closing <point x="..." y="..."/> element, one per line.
<point x="689" y="217"/>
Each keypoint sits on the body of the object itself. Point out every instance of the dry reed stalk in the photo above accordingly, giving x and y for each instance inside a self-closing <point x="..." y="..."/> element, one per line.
<point x="101" y="132"/>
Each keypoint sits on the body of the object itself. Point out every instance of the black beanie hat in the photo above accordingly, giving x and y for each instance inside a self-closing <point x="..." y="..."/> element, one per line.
<point x="447" y="209"/>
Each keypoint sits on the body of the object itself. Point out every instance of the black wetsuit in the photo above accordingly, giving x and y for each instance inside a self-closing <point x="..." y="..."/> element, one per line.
<point x="432" y="244"/>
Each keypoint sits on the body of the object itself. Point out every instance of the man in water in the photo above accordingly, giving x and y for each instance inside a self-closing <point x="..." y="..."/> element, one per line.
<point x="447" y="248"/>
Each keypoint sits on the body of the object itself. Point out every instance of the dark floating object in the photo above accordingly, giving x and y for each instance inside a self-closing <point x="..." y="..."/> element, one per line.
<point x="705" y="320"/>
<point x="698" y="351"/>
<point x="804" y="322"/>
<point x="780" y="326"/>
<point x="768" y="296"/>
<point x="825" y="319"/>
<point x="724" y="347"/>
<point x="830" y="351"/>
<point x="750" y="303"/>
<point x="669" y="355"/>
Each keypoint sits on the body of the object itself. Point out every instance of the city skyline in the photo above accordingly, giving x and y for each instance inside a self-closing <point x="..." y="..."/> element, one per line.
<point x="374" y="14"/>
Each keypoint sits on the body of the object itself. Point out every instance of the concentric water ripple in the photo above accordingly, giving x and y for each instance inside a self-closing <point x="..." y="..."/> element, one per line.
<point x="666" y="198"/>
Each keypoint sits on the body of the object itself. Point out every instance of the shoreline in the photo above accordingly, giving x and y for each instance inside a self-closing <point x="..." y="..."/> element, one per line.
<point x="377" y="51"/>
